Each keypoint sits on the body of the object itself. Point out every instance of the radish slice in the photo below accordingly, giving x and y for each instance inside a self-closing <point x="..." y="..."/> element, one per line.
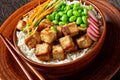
<point x="93" y="29"/>
<point x="93" y="20"/>
<point x="92" y="32"/>
<point x="91" y="14"/>
<point x="92" y="37"/>
<point x="95" y="25"/>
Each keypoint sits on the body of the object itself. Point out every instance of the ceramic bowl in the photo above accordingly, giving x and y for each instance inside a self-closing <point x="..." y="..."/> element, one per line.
<point x="65" y="69"/>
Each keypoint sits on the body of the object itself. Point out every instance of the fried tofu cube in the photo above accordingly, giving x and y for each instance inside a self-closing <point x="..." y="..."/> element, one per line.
<point x="84" y="42"/>
<point x="42" y="51"/>
<point x="67" y="44"/>
<point x="47" y="35"/>
<point x="70" y="29"/>
<point x="81" y="30"/>
<point x="21" y="24"/>
<point x="59" y="33"/>
<point x="32" y="40"/>
<point x="45" y="23"/>
<point x="58" y="52"/>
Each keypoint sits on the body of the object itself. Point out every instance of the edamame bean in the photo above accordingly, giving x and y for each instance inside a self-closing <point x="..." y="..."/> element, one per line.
<point x="51" y="17"/>
<point x="84" y="19"/>
<point x="72" y="18"/>
<point x="62" y="23"/>
<point x="76" y="13"/>
<point x="54" y="13"/>
<point x="71" y="5"/>
<point x="62" y="7"/>
<point x="54" y="28"/>
<point x="68" y="7"/>
<point x="57" y="16"/>
<point x="85" y="10"/>
<point x="80" y="10"/>
<point x="61" y="13"/>
<point x="48" y="17"/>
<point x="76" y="6"/>
<point x="79" y="21"/>
<point x="83" y="25"/>
<point x="70" y="13"/>
<point x="82" y="14"/>
<point x="55" y="21"/>
<point x="64" y="18"/>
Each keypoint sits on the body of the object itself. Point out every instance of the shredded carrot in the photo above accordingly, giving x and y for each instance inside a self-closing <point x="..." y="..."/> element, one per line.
<point x="37" y="14"/>
<point x="54" y="4"/>
<point x="42" y="15"/>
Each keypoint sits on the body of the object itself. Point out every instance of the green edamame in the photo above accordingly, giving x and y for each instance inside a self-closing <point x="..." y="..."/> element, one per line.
<point x="72" y="18"/>
<point x="64" y="18"/>
<point x="70" y="13"/>
<point x="79" y="21"/>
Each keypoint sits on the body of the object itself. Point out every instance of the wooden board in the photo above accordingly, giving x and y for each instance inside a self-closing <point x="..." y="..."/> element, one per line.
<point x="106" y="64"/>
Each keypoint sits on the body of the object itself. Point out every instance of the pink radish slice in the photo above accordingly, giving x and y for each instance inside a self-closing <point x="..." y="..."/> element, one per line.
<point x="93" y="24"/>
<point x="93" y="29"/>
<point x="93" y="20"/>
<point x="96" y="23"/>
<point x="91" y="14"/>
<point x="92" y="37"/>
<point x="93" y="33"/>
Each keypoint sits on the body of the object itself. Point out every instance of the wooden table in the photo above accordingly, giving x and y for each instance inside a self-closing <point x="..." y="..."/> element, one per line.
<point x="7" y="7"/>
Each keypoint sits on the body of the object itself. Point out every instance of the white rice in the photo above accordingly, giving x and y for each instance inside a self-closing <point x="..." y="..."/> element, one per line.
<point x="31" y="55"/>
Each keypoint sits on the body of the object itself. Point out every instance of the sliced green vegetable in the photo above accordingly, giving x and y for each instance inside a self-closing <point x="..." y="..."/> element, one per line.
<point x="37" y="24"/>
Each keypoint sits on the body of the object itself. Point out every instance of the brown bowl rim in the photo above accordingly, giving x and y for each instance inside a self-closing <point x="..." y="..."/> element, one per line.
<point x="100" y="42"/>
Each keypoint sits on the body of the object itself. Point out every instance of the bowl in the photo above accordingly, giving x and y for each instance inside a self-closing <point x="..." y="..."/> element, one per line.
<point x="69" y="68"/>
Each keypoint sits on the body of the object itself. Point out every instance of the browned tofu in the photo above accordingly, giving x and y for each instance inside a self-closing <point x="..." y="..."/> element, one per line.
<point x="32" y="40"/>
<point x="59" y="33"/>
<point x="42" y="51"/>
<point x="70" y="29"/>
<point x="21" y="24"/>
<point x="67" y="44"/>
<point x="81" y="30"/>
<point x="44" y="24"/>
<point x="47" y="35"/>
<point x="84" y="42"/>
<point x="57" y="52"/>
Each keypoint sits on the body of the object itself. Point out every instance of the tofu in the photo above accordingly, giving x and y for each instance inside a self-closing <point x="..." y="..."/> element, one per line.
<point x="47" y="35"/>
<point x="58" y="52"/>
<point x="81" y="30"/>
<point x="84" y="42"/>
<point x="32" y="40"/>
<point x="70" y="29"/>
<point x="67" y="44"/>
<point x="45" y="23"/>
<point x="42" y="51"/>
<point x="21" y="24"/>
<point x="59" y="33"/>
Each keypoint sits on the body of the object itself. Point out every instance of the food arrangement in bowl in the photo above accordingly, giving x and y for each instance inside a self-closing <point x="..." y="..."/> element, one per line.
<point x="61" y="33"/>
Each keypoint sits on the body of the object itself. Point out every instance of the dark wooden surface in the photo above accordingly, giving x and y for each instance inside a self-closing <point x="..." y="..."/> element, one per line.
<point x="7" y="7"/>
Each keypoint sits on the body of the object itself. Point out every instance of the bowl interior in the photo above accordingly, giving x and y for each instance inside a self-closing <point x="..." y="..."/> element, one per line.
<point x="93" y="52"/>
